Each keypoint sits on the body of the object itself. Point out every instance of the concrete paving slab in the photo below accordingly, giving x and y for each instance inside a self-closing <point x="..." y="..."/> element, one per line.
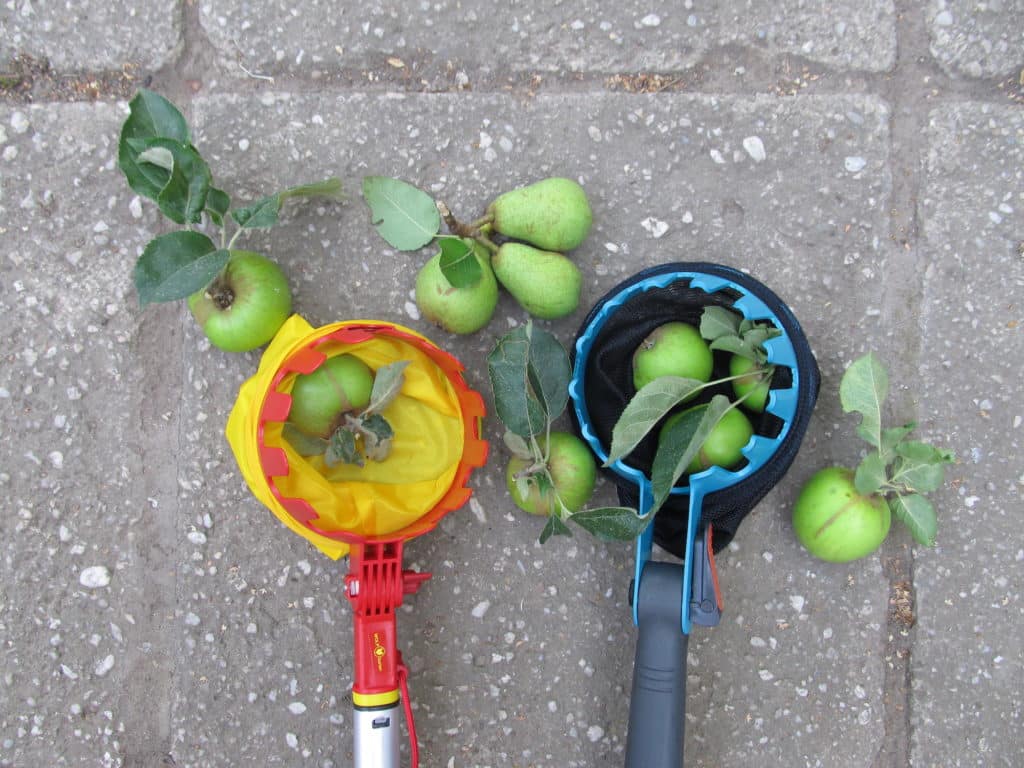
<point x="520" y="655"/>
<point x="92" y="36"/>
<point x="86" y="450"/>
<point x="465" y="41"/>
<point x="223" y="639"/>
<point x="977" y="39"/>
<point x="968" y="667"/>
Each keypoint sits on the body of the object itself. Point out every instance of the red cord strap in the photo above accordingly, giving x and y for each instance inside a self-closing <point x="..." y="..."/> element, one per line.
<point x="403" y="684"/>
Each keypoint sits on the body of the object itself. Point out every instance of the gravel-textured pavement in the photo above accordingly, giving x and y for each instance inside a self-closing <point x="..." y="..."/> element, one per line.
<point x="863" y="159"/>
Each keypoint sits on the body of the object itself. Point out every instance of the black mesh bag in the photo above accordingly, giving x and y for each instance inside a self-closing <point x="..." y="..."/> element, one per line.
<point x="609" y="387"/>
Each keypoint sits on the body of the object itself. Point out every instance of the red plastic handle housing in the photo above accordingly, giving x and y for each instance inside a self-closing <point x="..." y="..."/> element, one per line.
<point x="376" y="586"/>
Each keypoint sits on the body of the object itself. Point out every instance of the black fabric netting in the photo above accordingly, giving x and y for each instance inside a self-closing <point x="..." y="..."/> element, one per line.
<point x="609" y="387"/>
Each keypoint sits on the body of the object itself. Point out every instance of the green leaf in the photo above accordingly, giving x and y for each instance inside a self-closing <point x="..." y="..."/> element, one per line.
<point x="548" y="370"/>
<point x="387" y="383"/>
<point x="158" y="156"/>
<point x="514" y="401"/>
<point x="919" y="466"/>
<point x="758" y="335"/>
<point x="647" y="407"/>
<point x="716" y="322"/>
<point x="377" y="437"/>
<point x="921" y="477"/>
<point x="863" y="389"/>
<point x="918" y="451"/>
<point x="612" y="523"/>
<point x="891" y="437"/>
<point x="529" y="372"/>
<point x="151" y="116"/>
<point x="917" y="513"/>
<point x="680" y="444"/>
<point x="264" y="212"/>
<point x="406" y="217"/>
<point x="342" y="448"/>
<point x="870" y="475"/>
<point x="517" y="446"/>
<point x="176" y="265"/>
<point x="183" y="196"/>
<point x="736" y="346"/>
<point x="554" y="527"/>
<point x="304" y="444"/>
<point x="543" y="481"/>
<point x="458" y="263"/>
<point x="217" y="204"/>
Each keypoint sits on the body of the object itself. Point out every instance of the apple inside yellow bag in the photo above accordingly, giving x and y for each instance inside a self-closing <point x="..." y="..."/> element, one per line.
<point x="431" y="448"/>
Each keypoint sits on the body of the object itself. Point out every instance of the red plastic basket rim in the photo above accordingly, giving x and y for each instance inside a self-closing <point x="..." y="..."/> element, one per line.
<point x="275" y="406"/>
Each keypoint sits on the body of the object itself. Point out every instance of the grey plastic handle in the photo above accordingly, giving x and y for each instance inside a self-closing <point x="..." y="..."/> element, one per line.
<point x="657" y="707"/>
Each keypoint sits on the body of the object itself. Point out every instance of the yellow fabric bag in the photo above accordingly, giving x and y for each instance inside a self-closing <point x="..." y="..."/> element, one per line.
<point x="381" y="497"/>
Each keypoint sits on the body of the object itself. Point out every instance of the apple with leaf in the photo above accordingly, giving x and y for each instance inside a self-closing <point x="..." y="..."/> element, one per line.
<point x="238" y="297"/>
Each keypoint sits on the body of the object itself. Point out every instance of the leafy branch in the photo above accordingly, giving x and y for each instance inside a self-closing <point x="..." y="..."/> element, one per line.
<point x="898" y="469"/>
<point x="529" y="372"/>
<point x="363" y="436"/>
<point x="160" y="162"/>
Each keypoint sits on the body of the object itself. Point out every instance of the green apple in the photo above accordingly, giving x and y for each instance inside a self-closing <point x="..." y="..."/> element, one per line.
<point x="244" y="305"/>
<point x="319" y="399"/>
<point x="755" y="381"/>
<point x="724" y="446"/>
<point x="573" y="471"/>
<point x="672" y="349"/>
<point x="836" y="523"/>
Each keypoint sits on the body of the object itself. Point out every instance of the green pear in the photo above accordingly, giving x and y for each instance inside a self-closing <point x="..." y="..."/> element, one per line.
<point x="459" y="310"/>
<point x="552" y="214"/>
<point x="546" y="284"/>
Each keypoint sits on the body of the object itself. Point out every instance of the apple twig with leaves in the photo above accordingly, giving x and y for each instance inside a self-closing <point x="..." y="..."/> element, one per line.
<point x="744" y="339"/>
<point x="898" y="469"/>
<point x="842" y="515"/>
<point x="551" y="473"/>
<point x="355" y="436"/>
<point x="160" y="162"/>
